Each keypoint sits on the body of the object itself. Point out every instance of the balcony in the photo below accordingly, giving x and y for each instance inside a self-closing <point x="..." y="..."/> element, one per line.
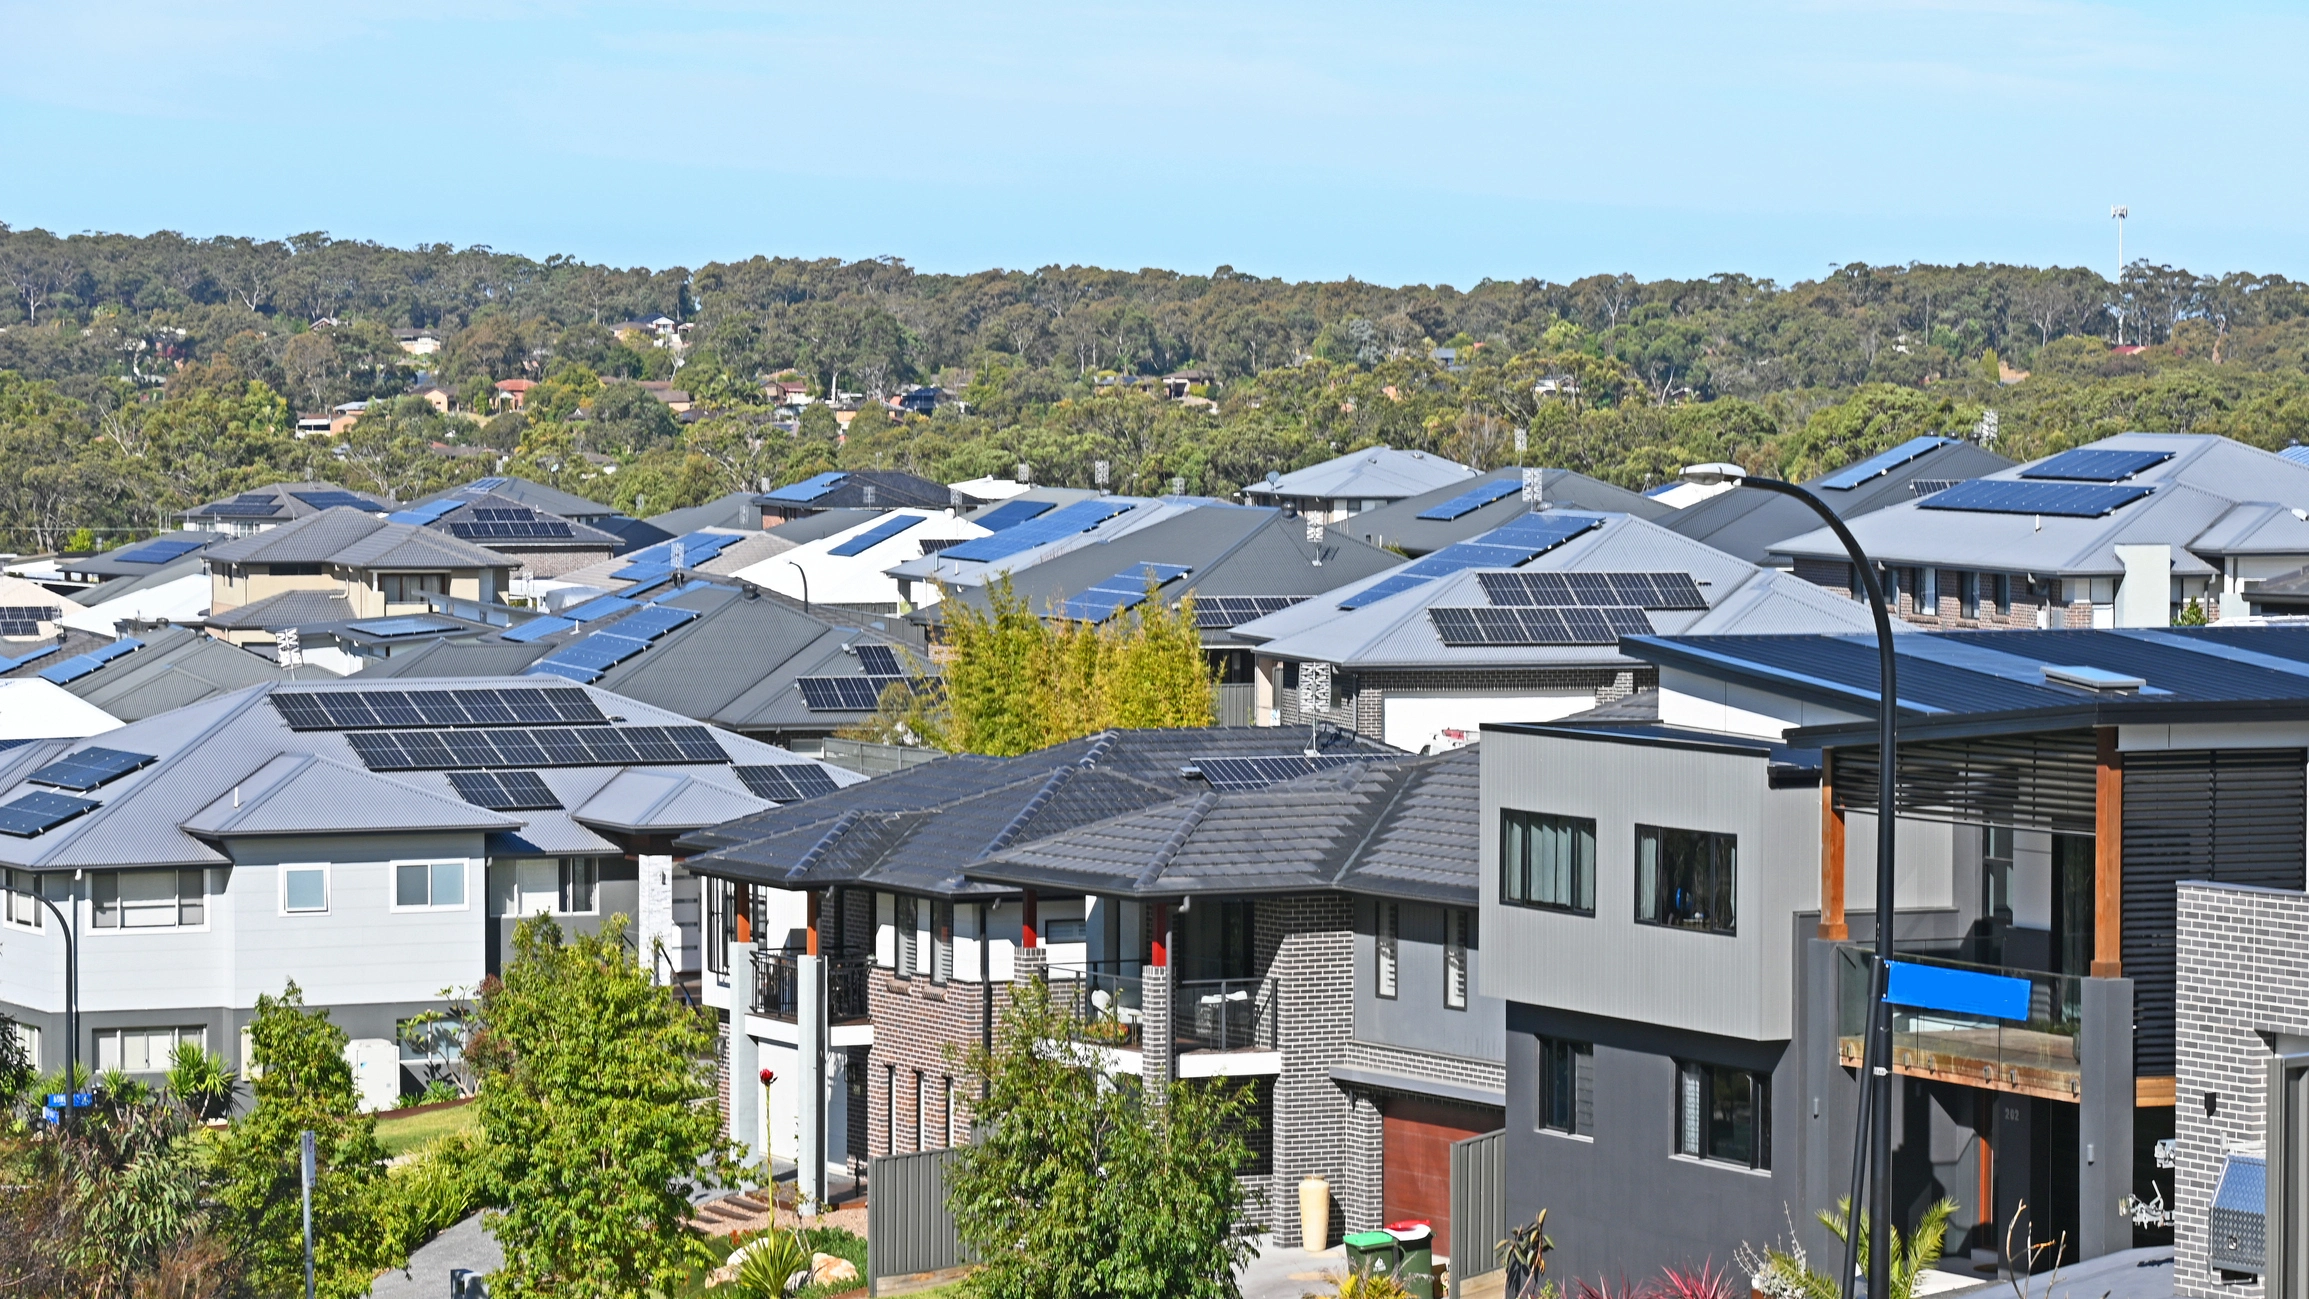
<point x="2036" y="1057"/>
<point x="1223" y="1015"/>
<point x="1104" y="1003"/>
<point x="777" y="986"/>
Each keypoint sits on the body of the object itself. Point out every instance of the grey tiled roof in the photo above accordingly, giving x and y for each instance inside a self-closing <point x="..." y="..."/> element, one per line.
<point x="287" y="505"/>
<point x="536" y="496"/>
<point x="287" y="609"/>
<point x="1749" y="524"/>
<point x="176" y="667"/>
<point x="347" y="536"/>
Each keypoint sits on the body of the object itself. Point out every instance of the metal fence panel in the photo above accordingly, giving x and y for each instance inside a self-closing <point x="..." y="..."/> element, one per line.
<point x="1478" y="1204"/>
<point x="908" y="1227"/>
<point x="1237" y="704"/>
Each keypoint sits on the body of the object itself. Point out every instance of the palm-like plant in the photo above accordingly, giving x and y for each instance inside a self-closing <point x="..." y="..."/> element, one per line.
<point x="1788" y="1274"/>
<point x="766" y="1263"/>
<point x="201" y="1083"/>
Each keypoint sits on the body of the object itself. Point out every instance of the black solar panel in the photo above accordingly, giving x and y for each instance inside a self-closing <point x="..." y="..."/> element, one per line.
<point x="787" y="782"/>
<point x="504" y="791"/>
<point x="1212" y="611"/>
<point x="346" y="710"/>
<point x="1564" y="625"/>
<point x="1229" y="774"/>
<point x="40" y="811"/>
<point x="598" y="746"/>
<point x="879" y="661"/>
<point x="843" y="694"/>
<point x="2096" y="466"/>
<point x="88" y="768"/>
<point x="25" y="619"/>
<point x="332" y="500"/>
<point x="536" y="529"/>
<point x="247" y="506"/>
<point x="2011" y="496"/>
<point x="1635" y="590"/>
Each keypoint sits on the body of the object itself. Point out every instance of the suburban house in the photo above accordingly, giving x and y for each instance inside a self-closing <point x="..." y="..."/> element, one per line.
<point x="705" y="552"/>
<point x="1423" y="524"/>
<point x="871" y="489"/>
<point x="846" y="569"/>
<point x="1361" y="480"/>
<point x="373" y="843"/>
<point x="1750" y="524"/>
<point x="152" y="671"/>
<point x="417" y="342"/>
<point x="511" y="393"/>
<point x="535" y="542"/>
<point x="1685" y="905"/>
<point x="1522" y="623"/>
<point x="1031" y="530"/>
<point x="2124" y="532"/>
<point x="919" y="958"/>
<point x="735" y="511"/>
<point x="137" y="559"/>
<point x="269" y="507"/>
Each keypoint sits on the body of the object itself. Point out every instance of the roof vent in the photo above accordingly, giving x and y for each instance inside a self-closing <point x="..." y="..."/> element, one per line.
<point x="2091" y="678"/>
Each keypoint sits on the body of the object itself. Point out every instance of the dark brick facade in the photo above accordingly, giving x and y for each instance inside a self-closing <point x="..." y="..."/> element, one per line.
<point x="1306" y="944"/>
<point x="918" y="1091"/>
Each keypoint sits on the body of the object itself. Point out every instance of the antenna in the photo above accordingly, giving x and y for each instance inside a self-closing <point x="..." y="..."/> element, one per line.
<point x="287" y="649"/>
<point x="2118" y="214"/>
<point x="1535" y="488"/>
<point x="1098" y="471"/>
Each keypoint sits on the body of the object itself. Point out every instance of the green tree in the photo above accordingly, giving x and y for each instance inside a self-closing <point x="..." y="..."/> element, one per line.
<point x="596" y="1091"/>
<point x="302" y="1083"/>
<point x="1083" y="1185"/>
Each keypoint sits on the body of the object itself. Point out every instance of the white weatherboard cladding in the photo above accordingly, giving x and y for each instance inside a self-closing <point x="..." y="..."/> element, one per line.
<point x="1711" y="704"/>
<point x="360" y="950"/>
<point x="1735" y="985"/>
<point x="1923" y="862"/>
<point x="1416" y="723"/>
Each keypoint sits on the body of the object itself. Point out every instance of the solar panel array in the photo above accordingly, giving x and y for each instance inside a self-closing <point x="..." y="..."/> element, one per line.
<point x="2087" y="465"/>
<point x="876" y="535"/>
<point x="1515" y="543"/>
<point x="1228" y="775"/>
<point x="10" y="665"/>
<point x="1058" y="525"/>
<point x="587" y="658"/>
<point x="504" y="791"/>
<point x="1125" y="590"/>
<point x="879" y="660"/>
<point x="568" y="746"/>
<point x="493" y="523"/>
<point x="1219" y="611"/>
<point x="247" y="505"/>
<point x="2009" y="496"/>
<point x="843" y="694"/>
<point x="598" y="607"/>
<point x="160" y="551"/>
<point x="535" y="629"/>
<point x="652" y="562"/>
<point x="809" y="489"/>
<point x="485" y="484"/>
<point x="1923" y="487"/>
<point x="346" y="710"/>
<point x="1475" y="498"/>
<point x="88" y="768"/>
<point x="80" y="665"/>
<point x="330" y="500"/>
<point x="788" y="782"/>
<point x="1576" y="625"/>
<point x="1882" y="463"/>
<point x="1636" y="590"/>
<point x="426" y="513"/>
<point x="40" y="811"/>
<point x="1010" y="514"/>
<point x="25" y="619"/>
<point x="413" y="625"/>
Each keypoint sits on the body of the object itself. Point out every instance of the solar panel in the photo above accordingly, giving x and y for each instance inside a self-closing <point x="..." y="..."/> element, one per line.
<point x="485" y="484"/>
<point x="1058" y="525"/>
<point x="1882" y="463"/>
<point x="1228" y="775"/>
<point x="1010" y="514"/>
<point x="504" y="791"/>
<point x="40" y="811"/>
<point x="788" y="782"/>
<point x="876" y="535"/>
<point x="2009" y="496"/>
<point x="427" y="513"/>
<point x="332" y="500"/>
<point x="1923" y="487"/>
<point x="25" y="619"/>
<point x="535" y="629"/>
<point x="843" y="694"/>
<point x="1220" y="611"/>
<point x="1506" y="546"/>
<point x="2296" y="453"/>
<point x="1473" y="499"/>
<point x="1527" y="625"/>
<point x="10" y="665"/>
<point x="879" y="661"/>
<point x="588" y="746"/>
<point x="2096" y="466"/>
<point x="88" y="768"/>
<point x="601" y="651"/>
<point x="72" y="669"/>
<point x="600" y="607"/>
<point x="247" y="505"/>
<point x="1124" y="590"/>
<point x="651" y="622"/>
<point x="413" y="625"/>
<point x="696" y="549"/>
<point x="1639" y="590"/>
<point x="809" y="489"/>
<point x="643" y="573"/>
<point x="532" y="529"/>
<point x="566" y="671"/>
<point x="160" y="551"/>
<point x="341" y="710"/>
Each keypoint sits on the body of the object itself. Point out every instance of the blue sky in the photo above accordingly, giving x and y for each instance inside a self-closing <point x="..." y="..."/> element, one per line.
<point x="1396" y="143"/>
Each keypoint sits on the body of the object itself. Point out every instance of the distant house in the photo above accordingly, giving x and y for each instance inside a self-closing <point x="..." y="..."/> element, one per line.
<point x="873" y="489"/>
<point x="343" y="418"/>
<point x="658" y="326"/>
<point x="436" y="396"/>
<point x="313" y="426"/>
<point x="270" y="506"/>
<point x="511" y="394"/>
<point x="673" y="397"/>
<point x="417" y="342"/>
<point x="1360" y="480"/>
<point x="1176" y="386"/>
<point x="544" y="544"/>
<point x="787" y="392"/>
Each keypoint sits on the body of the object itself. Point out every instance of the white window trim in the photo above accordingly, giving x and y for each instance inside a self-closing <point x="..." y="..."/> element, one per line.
<point x="393" y="896"/>
<point x="86" y="897"/>
<point x="328" y="887"/>
<point x="38" y="912"/>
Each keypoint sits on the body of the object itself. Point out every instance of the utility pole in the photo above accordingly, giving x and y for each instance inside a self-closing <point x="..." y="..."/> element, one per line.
<point x="2118" y="214"/>
<point x="305" y="1166"/>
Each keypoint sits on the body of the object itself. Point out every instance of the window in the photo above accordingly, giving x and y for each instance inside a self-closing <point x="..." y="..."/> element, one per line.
<point x="304" y="888"/>
<point x="1215" y="940"/>
<point x="1684" y="878"/>
<point x="428" y="884"/>
<point x="29" y="1036"/>
<point x="1968" y="595"/>
<point x="299" y="570"/>
<point x="1458" y="928"/>
<point x="909" y="939"/>
<point x="2001" y="590"/>
<point x="1389" y="923"/>
<point x="885" y="931"/>
<point x="1928" y="595"/>
<point x="411" y="588"/>
<point x="143" y="1050"/>
<point x="23" y="900"/>
<point x="1996" y="873"/>
<point x="148" y="899"/>
<point x="719" y="924"/>
<point x="1066" y="931"/>
<point x="1724" y="1114"/>
<point x="941" y="941"/>
<point x="1566" y="1091"/>
<point x="578" y="876"/>
<point x="1547" y="861"/>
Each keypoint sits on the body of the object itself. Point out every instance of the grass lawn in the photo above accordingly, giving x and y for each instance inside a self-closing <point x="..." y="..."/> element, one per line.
<point x="400" y="1136"/>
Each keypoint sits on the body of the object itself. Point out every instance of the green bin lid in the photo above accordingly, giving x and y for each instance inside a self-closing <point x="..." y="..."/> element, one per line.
<point x="1370" y="1239"/>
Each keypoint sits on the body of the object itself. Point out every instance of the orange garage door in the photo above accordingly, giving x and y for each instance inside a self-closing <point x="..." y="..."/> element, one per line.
<point x="1417" y="1147"/>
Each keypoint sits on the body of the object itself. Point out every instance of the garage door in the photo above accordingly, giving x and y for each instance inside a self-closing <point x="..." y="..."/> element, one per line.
<point x="1416" y="1181"/>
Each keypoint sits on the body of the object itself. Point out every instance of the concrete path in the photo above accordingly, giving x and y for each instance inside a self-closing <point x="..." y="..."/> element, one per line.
<point x="464" y="1245"/>
<point x="2130" y="1274"/>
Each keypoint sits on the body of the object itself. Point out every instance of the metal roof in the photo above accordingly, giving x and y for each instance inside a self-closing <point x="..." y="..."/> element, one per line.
<point x="1399" y="526"/>
<point x="1749" y="524"/>
<point x="535" y="495"/>
<point x="1373" y="473"/>
<point x="280" y="502"/>
<point x="356" y="540"/>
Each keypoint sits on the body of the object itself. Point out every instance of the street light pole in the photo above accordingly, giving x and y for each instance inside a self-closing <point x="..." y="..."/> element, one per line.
<point x="805" y="583"/>
<point x="2118" y="214"/>
<point x="71" y="1003"/>
<point x="1874" y="1146"/>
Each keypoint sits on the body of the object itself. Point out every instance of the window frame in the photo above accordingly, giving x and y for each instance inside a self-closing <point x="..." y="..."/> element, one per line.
<point x="327" y="887"/>
<point x="565" y="879"/>
<point x="905" y="924"/>
<point x="388" y="583"/>
<point x="1723" y="869"/>
<point x="195" y="876"/>
<point x="941" y="942"/>
<point x="1523" y="826"/>
<point x="178" y="1035"/>
<point x="432" y="864"/>
<point x="25" y="898"/>
<point x="1386" y="951"/>
<point x="1458" y="938"/>
<point x="1563" y="1063"/>
<point x="1968" y="594"/>
<point x="1695" y="1133"/>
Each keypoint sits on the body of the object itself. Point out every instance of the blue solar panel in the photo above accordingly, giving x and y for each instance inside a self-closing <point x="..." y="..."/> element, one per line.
<point x="569" y="671"/>
<point x="877" y="534"/>
<point x="10" y="665"/>
<point x="2296" y="453"/>
<point x="600" y="651"/>
<point x="411" y="626"/>
<point x="332" y="500"/>
<point x="809" y="489"/>
<point x="2009" y="496"/>
<point x="485" y="484"/>
<point x="1505" y="546"/>
<point x="160" y="551"/>
<point x="1882" y="463"/>
<point x="535" y="629"/>
<point x="2091" y="466"/>
<point x="88" y="768"/>
<point x="1075" y="519"/>
<point x="600" y="607"/>
<point x="72" y="669"/>
<point x="40" y="811"/>
<point x="1122" y="591"/>
<point x="643" y="573"/>
<point x="424" y="514"/>
<point x="649" y="623"/>
<point x="1010" y="514"/>
<point x="1474" y="499"/>
<point x="657" y="560"/>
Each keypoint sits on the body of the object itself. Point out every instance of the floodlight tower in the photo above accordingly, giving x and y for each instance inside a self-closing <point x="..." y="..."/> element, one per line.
<point x="2118" y="215"/>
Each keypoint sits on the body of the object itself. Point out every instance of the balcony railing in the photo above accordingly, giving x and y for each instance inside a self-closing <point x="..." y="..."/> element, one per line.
<point x="1104" y="1003"/>
<point x="1223" y="1015"/>
<point x="2034" y="1057"/>
<point x="777" y="986"/>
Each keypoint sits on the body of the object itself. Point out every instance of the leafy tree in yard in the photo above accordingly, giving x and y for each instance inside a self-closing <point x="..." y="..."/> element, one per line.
<point x="1081" y="1187"/>
<point x="595" y="1097"/>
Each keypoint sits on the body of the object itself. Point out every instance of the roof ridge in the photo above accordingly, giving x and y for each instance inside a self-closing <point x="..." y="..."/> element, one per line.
<point x="825" y="844"/>
<point x="1168" y="850"/>
<point x="1051" y="784"/>
<point x="1379" y="818"/>
<point x="79" y="825"/>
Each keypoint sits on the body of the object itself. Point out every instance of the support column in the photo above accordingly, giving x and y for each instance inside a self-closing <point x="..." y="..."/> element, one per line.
<point x="1832" y="926"/>
<point x="745" y="1061"/>
<point x="1029" y="921"/>
<point x="2105" y="1118"/>
<point x="655" y="924"/>
<point x="1154" y="1001"/>
<point x="810" y="1050"/>
<point x="2108" y="856"/>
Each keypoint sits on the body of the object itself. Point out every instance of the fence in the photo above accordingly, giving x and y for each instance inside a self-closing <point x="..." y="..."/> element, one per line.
<point x="908" y="1227"/>
<point x="1478" y="1205"/>
<point x="1236" y="705"/>
<point x="876" y="759"/>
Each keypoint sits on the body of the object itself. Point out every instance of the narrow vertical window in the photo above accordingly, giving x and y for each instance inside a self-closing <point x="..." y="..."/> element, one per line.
<point x="715" y="894"/>
<point x="1384" y="947"/>
<point x="1689" y="1081"/>
<point x="192" y="897"/>
<point x="577" y="878"/>
<point x="885" y="931"/>
<point x="941" y="941"/>
<point x="104" y="899"/>
<point x="1968" y="595"/>
<point x="1456" y="923"/>
<point x="904" y="919"/>
<point x="2001" y="589"/>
